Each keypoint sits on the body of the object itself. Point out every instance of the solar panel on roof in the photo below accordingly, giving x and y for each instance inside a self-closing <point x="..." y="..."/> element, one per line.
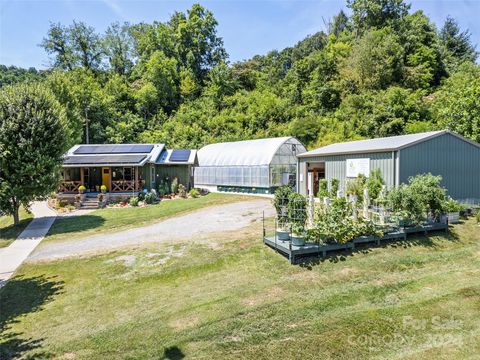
<point x="114" y="149"/>
<point x="105" y="159"/>
<point x="179" y="155"/>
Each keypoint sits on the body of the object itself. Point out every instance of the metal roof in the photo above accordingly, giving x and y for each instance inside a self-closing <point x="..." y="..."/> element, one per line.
<point x="107" y="160"/>
<point x="242" y="153"/>
<point x="391" y="143"/>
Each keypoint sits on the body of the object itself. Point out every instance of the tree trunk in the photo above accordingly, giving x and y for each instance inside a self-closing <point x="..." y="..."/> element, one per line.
<point x="16" y="218"/>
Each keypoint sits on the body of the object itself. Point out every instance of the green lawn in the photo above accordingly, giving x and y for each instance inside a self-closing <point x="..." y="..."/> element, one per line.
<point x="8" y="232"/>
<point x="236" y="298"/>
<point x="117" y="219"/>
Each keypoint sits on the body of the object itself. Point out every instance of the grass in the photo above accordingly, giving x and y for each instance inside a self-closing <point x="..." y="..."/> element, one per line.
<point x="232" y="297"/>
<point x="117" y="219"/>
<point x="9" y="232"/>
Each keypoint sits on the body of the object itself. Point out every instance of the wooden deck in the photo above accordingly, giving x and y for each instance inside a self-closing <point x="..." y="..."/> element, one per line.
<point x="293" y="252"/>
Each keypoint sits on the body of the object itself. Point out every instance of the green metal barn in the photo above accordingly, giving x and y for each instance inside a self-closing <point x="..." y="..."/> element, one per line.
<point x="444" y="153"/>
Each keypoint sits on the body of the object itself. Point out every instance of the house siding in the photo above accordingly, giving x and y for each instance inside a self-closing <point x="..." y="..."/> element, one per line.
<point x="456" y="160"/>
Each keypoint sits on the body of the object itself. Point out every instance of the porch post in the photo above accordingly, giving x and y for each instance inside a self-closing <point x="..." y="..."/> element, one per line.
<point x="136" y="178"/>
<point x="82" y="176"/>
<point x="110" y="179"/>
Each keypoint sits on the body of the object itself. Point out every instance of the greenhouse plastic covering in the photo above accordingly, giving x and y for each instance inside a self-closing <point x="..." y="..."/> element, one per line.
<point x="253" y="163"/>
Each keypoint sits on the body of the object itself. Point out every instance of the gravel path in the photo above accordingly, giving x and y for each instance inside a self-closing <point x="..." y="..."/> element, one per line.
<point x="202" y="222"/>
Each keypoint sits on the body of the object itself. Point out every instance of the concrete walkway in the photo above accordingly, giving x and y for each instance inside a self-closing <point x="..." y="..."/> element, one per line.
<point x="14" y="255"/>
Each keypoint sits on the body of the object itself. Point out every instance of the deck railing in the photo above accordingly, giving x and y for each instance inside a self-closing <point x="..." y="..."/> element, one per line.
<point x="69" y="186"/>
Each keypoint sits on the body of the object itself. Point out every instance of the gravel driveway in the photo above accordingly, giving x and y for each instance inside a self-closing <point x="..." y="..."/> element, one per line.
<point x="213" y="219"/>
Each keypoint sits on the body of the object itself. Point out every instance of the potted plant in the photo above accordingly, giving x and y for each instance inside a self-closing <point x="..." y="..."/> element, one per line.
<point x="78" y="201"/>
<point x="297" y="216"/>
<point x="103" y="188"/>
<point x="280" y="202"/>
<point x="452" y="208"/>
<point x="81" y="189"/>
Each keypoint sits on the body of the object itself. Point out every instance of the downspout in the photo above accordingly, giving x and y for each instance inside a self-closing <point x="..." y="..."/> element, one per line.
<point x="397" y="168"/>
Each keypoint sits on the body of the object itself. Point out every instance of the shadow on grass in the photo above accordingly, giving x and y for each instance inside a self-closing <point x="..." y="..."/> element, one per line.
<point x="414" y="240"/>
<point x="12" y="231"/>
<point x="73" y="224"/>
<point x="173" y="353"/>
<point x="21" y="296"/>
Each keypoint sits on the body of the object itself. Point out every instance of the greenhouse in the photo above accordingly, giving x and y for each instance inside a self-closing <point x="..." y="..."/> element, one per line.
<point x="253" y="166"/>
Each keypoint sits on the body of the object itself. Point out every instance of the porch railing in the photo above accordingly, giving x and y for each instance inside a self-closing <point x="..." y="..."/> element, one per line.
<point x="123" y="185"/>
<point x="69" y="186"/>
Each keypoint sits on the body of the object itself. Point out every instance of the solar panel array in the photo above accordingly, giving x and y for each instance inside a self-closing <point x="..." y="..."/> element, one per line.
<point x="105" y="159"/>
<point x="179" y="155"/>
<point x="114" y="149"/>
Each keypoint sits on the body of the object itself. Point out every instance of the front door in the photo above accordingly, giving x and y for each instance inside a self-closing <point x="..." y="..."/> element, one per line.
<point x="106" y="177"/>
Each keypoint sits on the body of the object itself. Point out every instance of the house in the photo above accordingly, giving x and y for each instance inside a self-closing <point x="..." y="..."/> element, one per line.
<point x="252" y="166"/>
<point x="444" y="153"/>
<point x="124" y="169"/>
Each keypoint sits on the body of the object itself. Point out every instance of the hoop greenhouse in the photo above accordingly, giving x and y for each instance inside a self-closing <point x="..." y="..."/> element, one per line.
<point x="257" y="166"/>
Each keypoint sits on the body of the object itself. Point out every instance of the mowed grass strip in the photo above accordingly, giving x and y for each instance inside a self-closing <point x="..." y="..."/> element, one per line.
<point x="117" y="219"/>
<point x="9" y="232"/>
<point x="233" y="297"/>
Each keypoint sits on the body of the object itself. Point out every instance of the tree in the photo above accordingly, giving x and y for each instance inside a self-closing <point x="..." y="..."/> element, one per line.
<point x="32" y="142"/>
<point x="456" y="104"/>
<point x="338" y="24"/>
<point x="118" y="44"/>
<point x="367" y="14"/>
<point x="376" y="60"/>
<point x="58" y="43"/>
<point x="456" y="45"/>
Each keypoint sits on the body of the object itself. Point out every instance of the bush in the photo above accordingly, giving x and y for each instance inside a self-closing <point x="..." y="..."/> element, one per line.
<point x="194" y="193"/>
<point x="297" y="212"/>
<point x="356" y="187"/>
<point x="322" y="189"/>
<point x="431" y="194"/>
<point x="451" y="205"/>
<point x="374" y="184"/>
<point x="280" y="202"/>
<point x="174" y="186"/>
<point x="133" y="201"/>
<point x="150" y="197"/>
<point x="141" y="196"/>
<point x="334" y="187"/>
<point x="182" y="191"/>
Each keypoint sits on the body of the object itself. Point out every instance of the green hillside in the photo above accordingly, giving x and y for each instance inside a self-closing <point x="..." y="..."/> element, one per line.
<point x="382" y="70"/>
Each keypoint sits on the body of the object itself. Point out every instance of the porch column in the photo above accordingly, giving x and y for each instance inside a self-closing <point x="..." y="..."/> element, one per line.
<point x="136" y="178"/>
<point x="110" y="179"/>
<point x="82" y="176"/>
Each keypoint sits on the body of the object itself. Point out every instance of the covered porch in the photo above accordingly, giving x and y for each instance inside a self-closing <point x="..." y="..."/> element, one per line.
<point x="117" y="179"/>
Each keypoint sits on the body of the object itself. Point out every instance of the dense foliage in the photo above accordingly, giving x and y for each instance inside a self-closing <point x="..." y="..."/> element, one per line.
<point x="383" y="70"/>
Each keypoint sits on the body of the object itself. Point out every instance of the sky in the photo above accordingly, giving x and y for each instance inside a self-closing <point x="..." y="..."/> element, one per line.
<point x="247" y="27"/>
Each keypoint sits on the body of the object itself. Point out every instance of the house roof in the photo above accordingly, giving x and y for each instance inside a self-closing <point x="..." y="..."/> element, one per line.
<point x="177" y="157"/>
<point x="244" y="153"/>
<point x="391" y="143"/>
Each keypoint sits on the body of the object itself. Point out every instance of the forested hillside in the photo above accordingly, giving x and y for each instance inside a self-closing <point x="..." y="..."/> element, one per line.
<point x="384" y="70"/>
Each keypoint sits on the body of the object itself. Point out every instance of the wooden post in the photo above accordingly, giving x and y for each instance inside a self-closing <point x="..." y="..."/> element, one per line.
<point x="82" y="176"/>
<point x="136" y="178"/>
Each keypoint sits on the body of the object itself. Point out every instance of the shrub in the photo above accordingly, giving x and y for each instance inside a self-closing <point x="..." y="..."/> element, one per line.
<point x="150" y="197"/>
<point x="334" y="187"/>
<point x="141" y="196"/>
<point x="322" y="189"/>
<point x="297" y="212"/>
<point x="356" y="187"/>
<point x="280" y="202"/>
<point x="451" y="205"/>
<point x="134" y="201"/>
<point x="182" y="191"/>
<point x="174" y="186"/>
<point x="194" y="193"/>
<point x="374" y="184"/>
<point x="431" y="194"/>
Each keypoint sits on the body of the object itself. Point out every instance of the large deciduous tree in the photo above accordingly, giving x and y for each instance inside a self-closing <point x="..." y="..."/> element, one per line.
<point x="32" y="141"/>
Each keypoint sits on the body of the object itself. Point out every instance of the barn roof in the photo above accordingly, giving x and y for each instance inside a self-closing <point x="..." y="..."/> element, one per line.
<point x="391" y="143"/>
